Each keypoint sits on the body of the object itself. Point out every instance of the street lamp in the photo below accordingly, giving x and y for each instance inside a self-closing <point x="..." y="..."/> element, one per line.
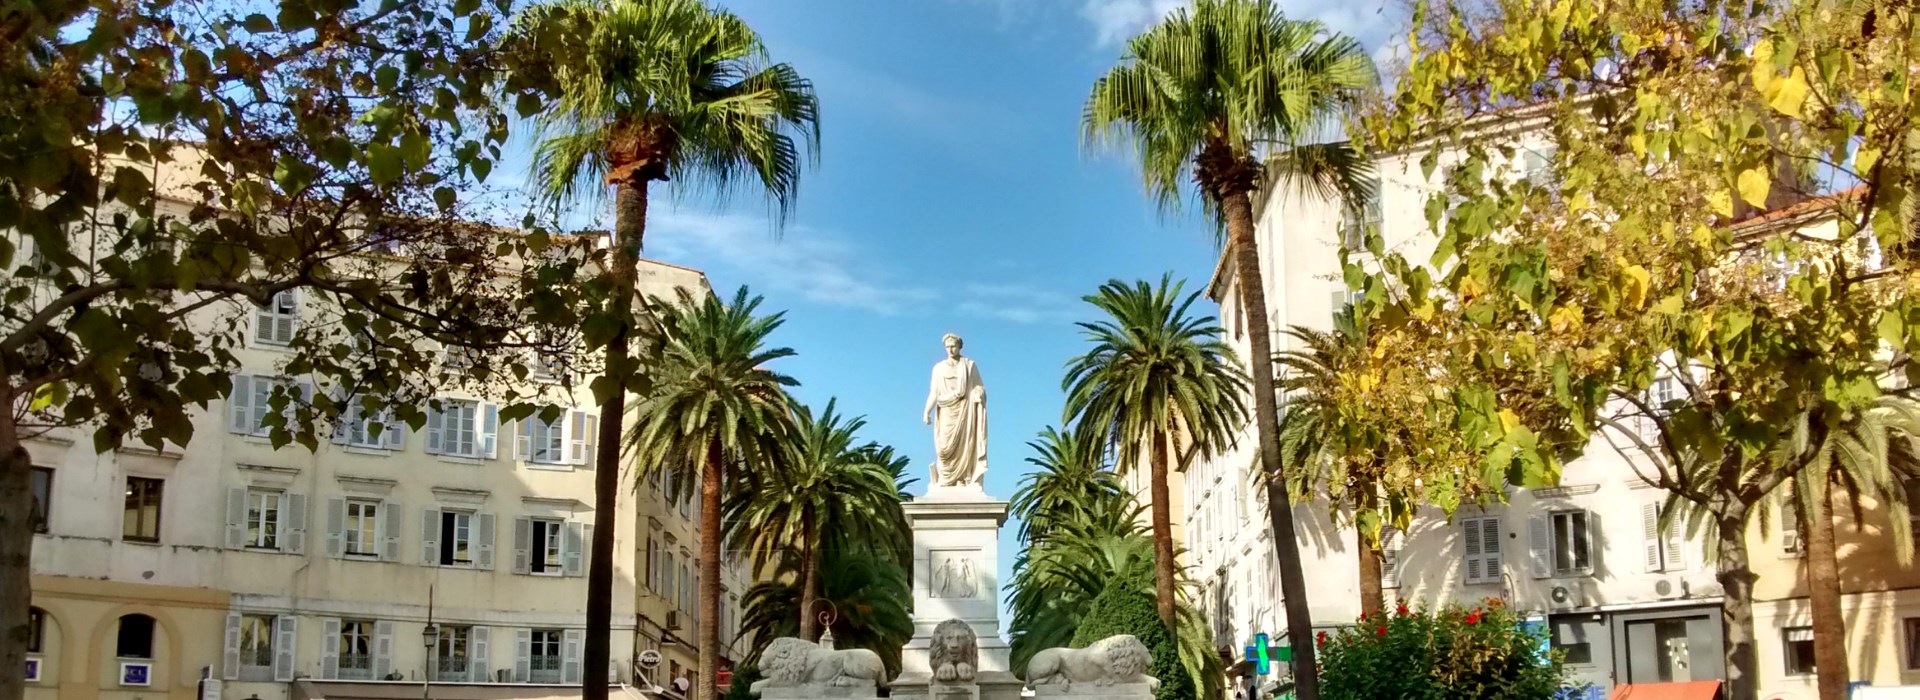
<point x="429" y="636"/>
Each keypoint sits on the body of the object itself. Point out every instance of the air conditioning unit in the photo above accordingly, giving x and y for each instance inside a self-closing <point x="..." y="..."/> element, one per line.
<point x="504" y="675"/>
<point x="1567" y="595"/>
<point x="673" y="619"/>
<point x="1790" y="542"/>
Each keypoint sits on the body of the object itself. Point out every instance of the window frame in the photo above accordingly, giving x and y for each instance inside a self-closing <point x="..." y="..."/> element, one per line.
<point x="36" y="630"/>
<point x="268" y="624"/>
<point x="453" y="533"/>
<point x="120" y="636"/>
<point x="1497" y="556"/>
<point x="543" y="436"/>
<point x="1911" y="625"/>
<point x="1582" y="535"/>
<point x="41" y="485"/>
<point x="284" y="305"/>
<point x="260" y="504"/>
<point x="361" y="528"/>
<point x="1788" y="653"/>
<point x="453" y="638"/>
<point x="547" y="537"/>
<point x="151" y="492"/>
<point x="554" y="641"/>
<point x="365" y="632"/>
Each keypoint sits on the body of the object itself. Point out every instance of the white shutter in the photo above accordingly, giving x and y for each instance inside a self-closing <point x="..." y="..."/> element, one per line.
<point x="300" y="392"/>
<point x="430" y="537"/>
<point x="393" y="433"/>
<point x="483" y="541"/>
<point x="1491" y="566"/>
<point x="350" y="411"/>
<point x="570" y="641"/>
<point x="382" y="649"/>
<point x="262" y="404"/>
<point x="571" y="556"/>
<point x="240" y="408"/>
<point x="1540" y="544"/>
<point x="1471" y="538"/>
<point x="522" y="535"/>
<point x="329" y="648"/>
<point x="336" y="527"/>
<point x="387" y="521"/>
<point x="236" y="518"/>
<point x="522" y="655"/>
<point x="434" y="418"/>
<point x="285" y="634"/>
<point x="293" y="511"/>
<point x="1390" y="542"/>
<point x="590" y="450"/>
<point x="1650" y="535"/>
<point x="523" y="437"/>
<point x="1675" y="544"/>
<point x="489" y="429"/>
<point x="230" y="657"/>
<point x="573" y="445"/>
<point x="478" y="653"/>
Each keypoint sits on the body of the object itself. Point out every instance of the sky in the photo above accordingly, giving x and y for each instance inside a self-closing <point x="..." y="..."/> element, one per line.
<point x="952" y="194"/>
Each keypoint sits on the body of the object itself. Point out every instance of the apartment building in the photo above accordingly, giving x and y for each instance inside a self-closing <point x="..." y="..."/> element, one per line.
<point x="449" y="560"/>
<point x="1628" y="601"/>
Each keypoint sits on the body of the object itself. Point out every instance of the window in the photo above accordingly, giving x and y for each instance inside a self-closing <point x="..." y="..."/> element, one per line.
<point x="1482" y="538"/>
<point x="1662" y="392"/>
<point x="256" y="644"/>
<point x="666" y="576"/>
<point x="1569" y="547"/>
<point x="463" y="429"/>
<point x="459" y="357"/>
<point x="140" y="520"/>
<point x="42" y="497"/>
<point x="547" y="538"/>
<point x="1355" y="222"/>
<point x="360" y="427"/>
<point x="452" y="651"/>
<point x="1790" y="544"/>
<point x="686" y="588"/>
<point x="1912" y="487"/>
<point x="543" y="657"/>
<point x="1912" y="625"/>
<point x="456" y="538"/>
<point x="1797" y="647"/>
<point x="251" y="401"/>
<point x="1570" y="636"/>
<point x="37" y="630"/>
<point x="356" y="649"/>
<point x="135" y="639"/>
<point x="273" y="324"/>
<point x="362" y="534"/>
<point x="541" y="441"/>
<point x="653" y="564"/>
<point x="1664" y="548"/>
<point x="263" y="519"/>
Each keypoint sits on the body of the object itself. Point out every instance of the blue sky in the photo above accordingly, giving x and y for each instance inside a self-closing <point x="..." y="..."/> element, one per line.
<point x="952" y="195"/>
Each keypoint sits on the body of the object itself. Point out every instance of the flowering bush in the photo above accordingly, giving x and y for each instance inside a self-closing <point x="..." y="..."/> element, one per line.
<point x="1456" y="653"/>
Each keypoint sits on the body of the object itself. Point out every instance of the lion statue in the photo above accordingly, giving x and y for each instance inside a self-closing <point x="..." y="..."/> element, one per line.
<point x="794" y="663"/>
<point x="954" y="652"/>
<point x="1116" y="660"/>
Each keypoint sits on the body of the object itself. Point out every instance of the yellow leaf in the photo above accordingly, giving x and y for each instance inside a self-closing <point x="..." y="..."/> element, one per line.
<point x="1754" y="183"/>
<point x="1638" y="140"/>
<point x="1634" y="287"/>
<point x="1789" y="95"/>
<point x="1864" y="160"/>
<point x="1508" y="420"/>
<point x="1563" y="319"/>
<point x="1762" y="70"/>
<point x="1721" y="201"/>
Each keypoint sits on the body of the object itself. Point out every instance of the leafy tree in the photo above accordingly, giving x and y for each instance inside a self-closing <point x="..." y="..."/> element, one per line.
<point x="714" y="403"/>
<point x="743" y="679"/>
<point x="1454" y="652"/>
<point x="1127" y="606"/>
<point x="867" y="593"/>
<point x="1216" y="88"/>
<point x="167" y="167"/>
<point x="652" y="91"/>
<point x="822" y="488"/>
<point x="1157" y="381"/>
<point x="1069" y="484"/>
<point x="1055" y="582"/>
<point x="1638" y="253"/>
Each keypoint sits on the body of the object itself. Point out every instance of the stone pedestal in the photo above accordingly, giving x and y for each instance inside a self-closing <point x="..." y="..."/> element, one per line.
<point x="1117" y="691"/>
<point x="956" y="565"/>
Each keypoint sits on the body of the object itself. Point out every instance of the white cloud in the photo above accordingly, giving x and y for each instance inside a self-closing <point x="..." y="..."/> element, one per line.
<point x="1019" y="303"/>
<point x="816" y="265"/>
<point x="1115" y="21"/>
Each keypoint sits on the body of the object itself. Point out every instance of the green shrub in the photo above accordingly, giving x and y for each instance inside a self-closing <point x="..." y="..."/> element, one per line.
<point x="1453" y="654"/>
<point x="1126" y="607"/>
<point x="743" y="676"/>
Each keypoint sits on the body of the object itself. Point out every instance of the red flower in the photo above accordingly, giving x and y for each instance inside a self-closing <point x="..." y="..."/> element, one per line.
<point x="1473" y="618"/>
<point x="1382" y="632"/>
<point x="1400" y="610"/>
<point x="1322" y="637"/>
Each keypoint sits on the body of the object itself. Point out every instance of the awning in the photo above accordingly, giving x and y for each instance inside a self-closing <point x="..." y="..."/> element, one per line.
<point x="1694" y="690"/>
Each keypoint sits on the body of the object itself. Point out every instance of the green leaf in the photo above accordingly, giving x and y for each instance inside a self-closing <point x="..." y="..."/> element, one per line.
<point x="383" y="163"/>
<point x="258" y="23"/>
<point x="443" y="197"/>
<point x="527" y="104"/>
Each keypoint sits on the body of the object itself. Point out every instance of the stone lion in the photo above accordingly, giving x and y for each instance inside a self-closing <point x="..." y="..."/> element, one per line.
<point x="954" y="652"/>
<point x="1116" y="660"/>
<point x="791" y="662"/>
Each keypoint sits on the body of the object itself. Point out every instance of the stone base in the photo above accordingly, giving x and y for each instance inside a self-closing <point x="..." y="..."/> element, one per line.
<point x="1089" y="691"/>
<point x="858" y="692"/>
<point x="987" y="686"/>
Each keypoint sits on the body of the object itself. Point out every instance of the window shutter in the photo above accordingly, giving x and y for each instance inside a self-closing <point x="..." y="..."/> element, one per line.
<point x="489" y="429"/>
<point x="1390" y="541"/>
<point x="293" y="510"/>
<point x="393" y="433"/>
<point x="388" y="522"/>
<point x="240" y="406"/>
<point x="1650" y="535"/>
<point x="522" y="655"/>
<point x="570" y="655"/>
<point x="336" y="527"/>
<point x="230" y="657"/>
<point x="592" y="440"/>
<point x="477" y="653"/>
<point x="1471" y="538"/>
<point x="1491" y="566"/>
<point x="570" y="555"/>
<point x="1675" y="544"/>
<point x="1540" y="544"/>
<point x="262" y="404"/>
<point x="382" y="649"/>
<point x="349" y="408"/>
<point x="430" y="537"/>
<point x="236" y="518"/>
<point x="522" y="535"/>
<point x="285" y="634"/>
<point x="523" y="438"/>
<point x="329" y="648"/>
<point x="299" y="392"/>
<point x="434" y="418"/>
<point x="483" y="541"/>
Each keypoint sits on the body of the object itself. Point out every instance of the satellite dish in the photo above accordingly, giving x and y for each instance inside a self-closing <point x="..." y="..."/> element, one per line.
<point x="649" y="658"/>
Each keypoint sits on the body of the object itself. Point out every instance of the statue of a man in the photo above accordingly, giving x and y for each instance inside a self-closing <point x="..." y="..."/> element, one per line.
<point x="960" y="424"/>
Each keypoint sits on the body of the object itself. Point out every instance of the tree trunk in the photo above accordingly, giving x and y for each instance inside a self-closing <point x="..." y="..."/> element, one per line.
<point x="629" y="229"/>
<point x="1164" y="591"/>
<point x="1736" y="604"/>
<point x="709" y="632"/>
<point x="1238" y="209"/>
<point x="1823" y="590"/>
<point x="809" y="579"/>
<point x="16" y="549"/>
<point x="1371" y="597"/>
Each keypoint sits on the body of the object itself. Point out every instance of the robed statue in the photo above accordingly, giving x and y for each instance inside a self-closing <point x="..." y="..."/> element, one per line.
<point x="957" y="408"/>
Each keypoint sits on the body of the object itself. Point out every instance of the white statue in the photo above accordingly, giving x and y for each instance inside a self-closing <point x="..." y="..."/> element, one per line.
<point x="797" y="668"/>
<point x="1116" y="660"/>
<point x="960" y="424"/>
<point x="953" y="652"/>
<point x="955" y="579"/>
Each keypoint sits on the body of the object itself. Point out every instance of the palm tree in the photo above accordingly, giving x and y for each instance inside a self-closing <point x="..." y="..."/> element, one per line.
<point x="823" y="488"/>
<point x="1156" y="376"/>
<point x="714" y="403"/>
<point x="1215" y="88"/>
<point x="868" y="592"/>
<point x="1069" y="483"/>
<point x="646" y="91"/>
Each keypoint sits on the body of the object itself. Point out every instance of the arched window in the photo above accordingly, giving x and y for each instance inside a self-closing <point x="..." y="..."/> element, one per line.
<point x="36" y="630"/>
<point x="136" y="637"/>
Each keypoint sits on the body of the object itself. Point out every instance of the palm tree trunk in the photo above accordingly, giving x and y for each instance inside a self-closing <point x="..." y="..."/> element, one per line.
<point x="1823" y="592"/>
<point x="1238" y="208"/>
<point x="809" y="578"/>
<point x="1736" y="603"/>
<point x="709" y="632"/>
<point x="16" y="549"/>
<point x="629" y="230"/>
<point x="1372" y="599"/>
<point x="1163" y="564"/>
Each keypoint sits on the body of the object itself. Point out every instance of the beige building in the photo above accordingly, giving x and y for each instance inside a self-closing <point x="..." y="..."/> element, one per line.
<point x="387" y="558"/>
